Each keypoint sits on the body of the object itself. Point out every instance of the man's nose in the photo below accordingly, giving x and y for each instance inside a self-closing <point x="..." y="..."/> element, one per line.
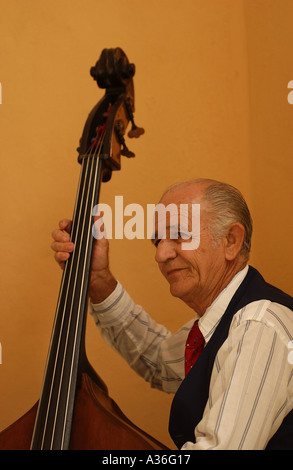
<point x="166" y="249"/>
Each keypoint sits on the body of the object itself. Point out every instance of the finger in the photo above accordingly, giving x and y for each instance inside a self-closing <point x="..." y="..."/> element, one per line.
<point x="62" y="247"/>
<point x="98" y="215"/>
<point x="102" y="244"/>
<point x="61" y="257"/>
<point x="60" y="236"/>
<point x="65" y="224"/>
<point x="99" y="228"/>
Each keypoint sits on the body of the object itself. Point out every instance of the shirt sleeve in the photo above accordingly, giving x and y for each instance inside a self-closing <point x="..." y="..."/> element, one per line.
<point x="140" y="340"/>
<point x="249" y="393"/>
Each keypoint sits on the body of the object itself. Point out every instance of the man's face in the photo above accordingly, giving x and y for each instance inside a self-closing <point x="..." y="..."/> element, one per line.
<point x="193" y="275"/>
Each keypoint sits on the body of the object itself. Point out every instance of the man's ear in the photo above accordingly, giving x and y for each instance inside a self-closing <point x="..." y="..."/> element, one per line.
<point x="234" y="240"/>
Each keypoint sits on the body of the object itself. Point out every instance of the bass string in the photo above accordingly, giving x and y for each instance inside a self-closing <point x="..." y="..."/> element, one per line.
<point x="90" y="165"/>
<point x="68" y="315"/>
<point x="86" y="224"/>
<point x="66" y="275"/>
<point x="74" y="324"/>
<point x="79" y="274"/>
<point x="53" y="335"/>
<point x="65" y="285"/>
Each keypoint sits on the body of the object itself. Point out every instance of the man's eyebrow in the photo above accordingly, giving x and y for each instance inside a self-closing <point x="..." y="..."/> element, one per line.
<point x="155" y="235"/>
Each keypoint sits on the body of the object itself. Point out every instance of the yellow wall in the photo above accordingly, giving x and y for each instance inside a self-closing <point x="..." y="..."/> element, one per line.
<point x="211" y="92"/>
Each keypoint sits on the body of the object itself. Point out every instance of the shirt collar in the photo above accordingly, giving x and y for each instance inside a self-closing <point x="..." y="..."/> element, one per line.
<point x="209" y="321"/>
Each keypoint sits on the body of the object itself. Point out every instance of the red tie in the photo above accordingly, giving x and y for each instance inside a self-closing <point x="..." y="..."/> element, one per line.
<point x="194" y="346"/>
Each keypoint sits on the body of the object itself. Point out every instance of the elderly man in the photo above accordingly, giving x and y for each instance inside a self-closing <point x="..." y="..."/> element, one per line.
<point x="228" y="366"/>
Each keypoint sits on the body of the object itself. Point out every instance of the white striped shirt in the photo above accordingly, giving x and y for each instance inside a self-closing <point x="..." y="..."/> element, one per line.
<point x="251" y="388"/>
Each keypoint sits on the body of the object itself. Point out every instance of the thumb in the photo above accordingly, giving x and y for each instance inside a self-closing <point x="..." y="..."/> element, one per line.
<point x="99" y="230"/>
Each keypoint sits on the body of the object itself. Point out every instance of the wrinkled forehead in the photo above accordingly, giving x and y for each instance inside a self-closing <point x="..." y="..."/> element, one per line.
<point x="184" y="193"/>
<point x="178" y="218"/>
<point x="171" y="213"/>
<point x="181" y="204"/>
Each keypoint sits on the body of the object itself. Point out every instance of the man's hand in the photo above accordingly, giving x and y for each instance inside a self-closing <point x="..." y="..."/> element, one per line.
<point x="62" y="244"/>
<point x="102" y="282"/>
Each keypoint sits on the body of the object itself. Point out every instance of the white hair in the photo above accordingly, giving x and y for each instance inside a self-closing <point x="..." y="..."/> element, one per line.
<point x="227" y="206"/>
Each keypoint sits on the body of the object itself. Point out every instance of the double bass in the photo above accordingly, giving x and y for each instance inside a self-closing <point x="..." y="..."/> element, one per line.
<point x="75" y="410"/>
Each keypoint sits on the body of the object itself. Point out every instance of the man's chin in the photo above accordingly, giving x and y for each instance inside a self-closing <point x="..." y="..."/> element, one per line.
<point x="177" y="291"/>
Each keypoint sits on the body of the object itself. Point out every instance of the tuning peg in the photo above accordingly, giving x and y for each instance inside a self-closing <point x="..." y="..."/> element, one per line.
<point x="135" y="131"/>
<point x="126" y="152"/>
<point x="119" y="132"/>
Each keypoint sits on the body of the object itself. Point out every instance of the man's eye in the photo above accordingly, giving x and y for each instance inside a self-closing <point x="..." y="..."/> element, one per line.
<point x="183" y="235"/>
